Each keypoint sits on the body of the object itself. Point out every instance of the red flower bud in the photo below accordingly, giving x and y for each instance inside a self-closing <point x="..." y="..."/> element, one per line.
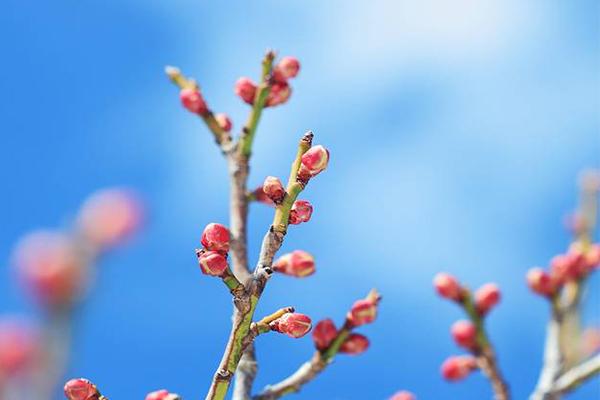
<point x="273" y="189"/>
<point x="246" y="90"/>
<point x="193" y="101"/>
<point x="216" y="238"/>
<point x="448" y="287"/>
<point x="355" y="344"/>
<point x="403" y="395"/>
<point x="18" y="346"/>
<point x="297" y="263"/>
<point x="456" y="368"/>
<point x="301" y="212"/>
<point x="541" y="282"/>
<point x="314" y="161"/>
<point x="294" y="325"/>
<point x="324" y="333"/>
<point x="223" y="121"/>
<point x="81" y="389"/>
<point x="486" y="297"/>
<point x="464" y="334"/>
<point x="280" y="93"/>
<point x="362" y="312"/>
<point x="162" y="395"/>
<point x="212" y="263"/>
<point x="287" y="68"/>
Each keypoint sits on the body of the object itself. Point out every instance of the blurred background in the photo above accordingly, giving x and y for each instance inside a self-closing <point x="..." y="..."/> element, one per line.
<point x="457" y="130"/>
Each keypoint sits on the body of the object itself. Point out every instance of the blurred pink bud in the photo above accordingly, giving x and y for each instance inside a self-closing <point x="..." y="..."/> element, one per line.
<point x="590" y="341"/>
<point x="362" y="312"/>
<point x="314" y="161"/>
<point x="224" y="121"/>
<point x="287" y="68"/>
<point x="18" y="346"/>
<point x="567" y="267"/>
<point x="260" y="196"/>
<point x="448" y="287"/>
<point x="193" y="101"/>
<point x="540" y="282"/>
<point x="324" y="333"/>
<point x="486" y="297"/>
<point x="109" y="216"/>
<point x="81" y="389"/>
<point x="355" y="344"/>
<point x="403" y="395"/>
<point x="162" y="395"/>
<point x="297" y="263"/>
<point x="456" y="368"/>
<point x="280" y="93"/>
<point x="273" y="189"/>
<point x="245" y="89"/>
<point x="50" y="266"/>
<point x="301" y="212"/>
<point x="212" y="263"/>
<point x="294" y="325"/>
<point x="464" y="334"/>
<point x="215" y="237"/>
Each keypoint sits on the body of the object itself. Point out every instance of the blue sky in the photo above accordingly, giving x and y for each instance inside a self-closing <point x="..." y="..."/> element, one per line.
<point x="456" y="130"/>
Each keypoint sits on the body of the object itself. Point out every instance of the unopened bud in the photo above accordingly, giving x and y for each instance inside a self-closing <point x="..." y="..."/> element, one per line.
<point x="81" y="389"/>
<point x="294" y="325"/>
<point x="362" y="312"/>
<point x="464" y="334"/>
<point x="215" y="237"/>
<point x="458" y="367"/>
<point x="273" y="189"/>
<point x="403" y="395"/>
<point x="18" y="346"/>
<point x="297" y="263"/>
<point x="301" y="212"/>
<point x="287" y="68"/>
<point x="448" y="287"/>
<point x="541" y="282"/>
<point x="162" y="395"/>
<point x="355" y="344"/>
<point x="566" y="267"/>
<point x="192" y="99"/>
<point x="245" y="89"/>
<point x="314" y="161"/>
<point x="324" y="333"/>
<point x="223" y="121"/>
<point x="280" y="93"/>
<point x="212" y="263"/>
<point x="486" y="297"/>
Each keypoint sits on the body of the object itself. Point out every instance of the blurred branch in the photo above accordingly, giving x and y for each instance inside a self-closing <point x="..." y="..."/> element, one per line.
<point x="577" y="375"/>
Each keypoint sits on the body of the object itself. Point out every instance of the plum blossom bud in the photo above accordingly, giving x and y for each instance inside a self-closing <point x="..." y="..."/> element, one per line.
<point x="301" y="212"/>
<point x="314" y="161"/>
<point x="287" y="68"/>
<point x="566" y="267"/>
<point x="456" y="368"/>
<point x="50" y="266"/>
<point x="212" y="263"/>
<point x="193" y="101"/>
<point x="215" y="237"/>
<point x="162" y="395"/>
<point x="81" y="389"/>
<point x="448" y="287"/>
<point x="362" y="312"/>
<point x="280" y="93"/>
<point x="18" y="346"/>
<point x="294" y="325"/>
<point x="297" y="263"/>
<point x="464" y="334"/>
<point x="223" y="121"/>
<point x="486" y="297"/>
<point x="541" y="282"/>
<point x="403" y="395"/>
<point x="108" y="216"/>
<point x="245" y="89"/>
<point x="324" y="333"/>
<point x="355" y="344"/>
<point x="273" y="189"/>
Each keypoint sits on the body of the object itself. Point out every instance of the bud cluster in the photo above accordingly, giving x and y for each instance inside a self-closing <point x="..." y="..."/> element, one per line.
<point x="213" y="258"/>
<point x="484" y="299"/>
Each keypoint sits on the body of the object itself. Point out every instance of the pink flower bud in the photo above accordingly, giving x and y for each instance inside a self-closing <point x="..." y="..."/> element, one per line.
<point x="223" y="121"/>
<point x="314" y="161"/>
<point x="297" y="263"/>
<point x="464" y="334"/>
<point x="287" y="68"/>
<point x="280" y="93"/>
<point x="567" y="267"/>
<point x="301" y="212"/>
<point x="215" y="237"/>
<point x="324" y="333"/>
<point x="18" y="347"/>
<point x="403" y="395"/>
<point x="448" y="287"/>
<point x="362" y="312"/>
<point x="212" y="263"/>
<point x="355" y="344"/>
<point x="193" y="101"/>
<point x="541" y="282"/>
<point x="162" y="395"/>
<point x="456" y="368"/>
<point x="50" y="266"/>
<point x="294" y="325"/>
<point x="245" y="89"/>
<point x="81" y="389"/>
<point x="108" y="216"/>
<point x="273" y="189"/>
<point x="486" y="297"/>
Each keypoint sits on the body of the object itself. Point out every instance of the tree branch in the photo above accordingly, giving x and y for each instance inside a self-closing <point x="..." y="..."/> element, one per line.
<point x="577" y="375"/>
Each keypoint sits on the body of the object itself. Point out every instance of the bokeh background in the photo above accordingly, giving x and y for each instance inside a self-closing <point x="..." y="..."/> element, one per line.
<point x="457" y="130"/>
